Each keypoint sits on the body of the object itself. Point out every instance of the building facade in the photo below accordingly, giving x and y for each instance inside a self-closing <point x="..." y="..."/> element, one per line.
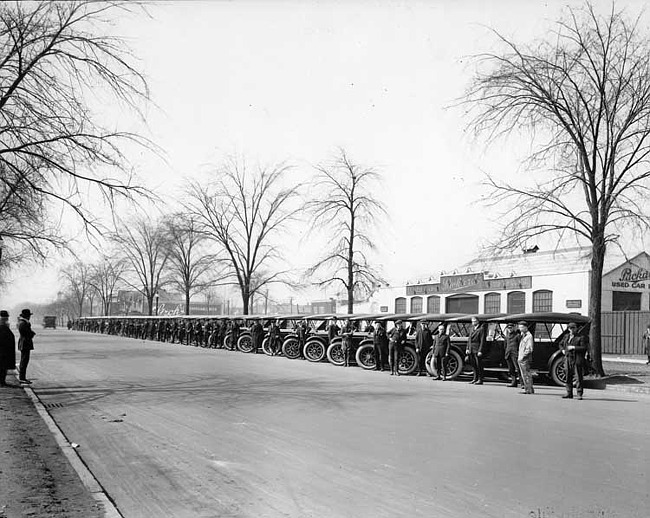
<point x="531" y="281"/>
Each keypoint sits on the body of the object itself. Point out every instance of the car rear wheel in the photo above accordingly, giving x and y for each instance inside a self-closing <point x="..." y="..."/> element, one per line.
<point x="314" y="350"/>
<point x="335" y="354"/>
<point x="454" y="365"/>
<point x="558" y="371"/>
<point x="227" y="342"/>
<point x="291" y="348"/>
<point x="266" y="347"/>
<point x="428" y="362"/>
<point x="366" y="357"/>
<point x="245" y="344"/>
<point x="407" y="361"/>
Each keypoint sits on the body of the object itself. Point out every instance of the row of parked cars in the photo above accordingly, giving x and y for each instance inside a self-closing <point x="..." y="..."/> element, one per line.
<point x="547" y="328"/>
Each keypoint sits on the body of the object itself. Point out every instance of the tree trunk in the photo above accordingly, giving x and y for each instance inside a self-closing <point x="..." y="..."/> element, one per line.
<point x="595" y="302"/>
<point x="245" y="298"/>
<point x="350" y="285"/>
<point x="187" y="301"/>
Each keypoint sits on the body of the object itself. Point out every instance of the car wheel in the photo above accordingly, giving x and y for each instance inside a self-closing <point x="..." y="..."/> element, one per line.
<point x="454" y="365"/>
<point x="335" y="354"/>
<point x="245" y="344"/>
<point x="291" y="348"/>
<point x="366" y="357"/>
<point x="227" y="342"/>
<point x="407" y="361"/>
<point x="266" y="347"/>
<point x="558" y="371"/>
<point x="428" y="362"/>
<point x="314" y="351"/>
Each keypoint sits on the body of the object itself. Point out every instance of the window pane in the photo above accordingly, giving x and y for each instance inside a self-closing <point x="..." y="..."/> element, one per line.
<point x="400" y="305"/>
<point x="416" y="305"/>
<point x="543" y="300"/>
<point x="492" y="303"/>
<point x="516" y="302"/>
<point x="626" y="301"/>
<point x="433" y="304"/>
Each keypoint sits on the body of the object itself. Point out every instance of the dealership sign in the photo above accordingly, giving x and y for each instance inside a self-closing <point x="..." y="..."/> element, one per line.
<point x="635" y="278"/>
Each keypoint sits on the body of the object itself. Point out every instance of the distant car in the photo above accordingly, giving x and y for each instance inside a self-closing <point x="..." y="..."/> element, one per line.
<point x="49" y="321"/>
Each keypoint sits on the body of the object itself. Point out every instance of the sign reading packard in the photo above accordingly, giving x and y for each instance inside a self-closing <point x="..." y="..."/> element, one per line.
<point x="632" y="278"/>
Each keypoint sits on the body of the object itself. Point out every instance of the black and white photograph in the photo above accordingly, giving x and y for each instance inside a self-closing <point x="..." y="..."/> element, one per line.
<point x="325" y="259"/>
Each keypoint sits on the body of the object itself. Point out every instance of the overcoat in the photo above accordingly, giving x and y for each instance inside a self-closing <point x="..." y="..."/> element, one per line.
<point x="7" y="348"/>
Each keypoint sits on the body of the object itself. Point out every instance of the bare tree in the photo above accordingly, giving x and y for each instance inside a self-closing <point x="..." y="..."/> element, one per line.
<point x="584" y="95"/>
<point x="244" y="212"/>
<point x="347" y="209"/>
<point x="104" y="279"/>
<point x="77" y="279"/>
<point x="144" y="247"/>
<point x="54" y="59"/>
<point x="191" y="269"/>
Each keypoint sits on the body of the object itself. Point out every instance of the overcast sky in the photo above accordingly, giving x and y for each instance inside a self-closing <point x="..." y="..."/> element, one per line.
<point x="293" y="81"/>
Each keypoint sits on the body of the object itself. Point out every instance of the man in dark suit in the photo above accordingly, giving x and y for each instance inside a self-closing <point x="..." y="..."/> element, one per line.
<point x="441" y="346"/>
<point x="396" y="344"/>
<point x="25" y="344"/>
<point x="7" y="348"/>
<point x="380" y="345"/>
<point x="423" y="342"/>
<point x="574" y="348"/>
<point x="475" y="345"/>
<point x="257" y="335"/>
<point x="511" y="338"/>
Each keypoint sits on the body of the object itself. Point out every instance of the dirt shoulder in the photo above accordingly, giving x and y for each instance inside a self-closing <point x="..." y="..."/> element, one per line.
<point x="36" y="479"/>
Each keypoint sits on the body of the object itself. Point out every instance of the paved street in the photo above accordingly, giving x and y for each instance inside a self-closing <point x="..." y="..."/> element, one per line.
<point x="178" y="431"/>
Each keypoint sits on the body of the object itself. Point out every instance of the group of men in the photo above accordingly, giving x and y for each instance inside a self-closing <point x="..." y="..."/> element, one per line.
<point x="8" y="346"/>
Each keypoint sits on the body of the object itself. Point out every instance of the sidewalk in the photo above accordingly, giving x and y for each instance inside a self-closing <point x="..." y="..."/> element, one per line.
<point x="36" y="478"/>
<point x="626" y="374"/>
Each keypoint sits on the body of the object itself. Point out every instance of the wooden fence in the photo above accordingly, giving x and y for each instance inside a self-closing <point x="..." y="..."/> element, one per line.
<point x="622" y="331"/>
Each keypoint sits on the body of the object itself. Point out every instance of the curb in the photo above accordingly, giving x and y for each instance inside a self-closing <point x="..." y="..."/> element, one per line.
<point x="632" y="389"/>
<point x="87" y="478"/>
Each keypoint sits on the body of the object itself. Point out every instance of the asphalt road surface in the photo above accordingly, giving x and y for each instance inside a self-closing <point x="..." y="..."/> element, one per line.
<point x="178" y="431"/>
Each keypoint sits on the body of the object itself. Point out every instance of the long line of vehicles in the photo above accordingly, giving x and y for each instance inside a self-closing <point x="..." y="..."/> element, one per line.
<point x="282" y="335"/>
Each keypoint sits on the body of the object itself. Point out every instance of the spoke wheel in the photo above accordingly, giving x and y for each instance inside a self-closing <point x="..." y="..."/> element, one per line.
<point x="245" y="343"/>
<point x="558" y="371"/>
<point x="366" y="357"/>
<point x="291" y="348"/>
<point x="335" y="354"/>
<point x="314" y="351"/>
<point x="407" y="361"/>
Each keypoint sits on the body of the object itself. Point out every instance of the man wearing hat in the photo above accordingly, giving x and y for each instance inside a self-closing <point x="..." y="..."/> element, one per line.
<point x="423" y="343"/>
<point x="574" y="348"/>
<point x="525" y="357"/>
<point x="511" y="338"/>
<point x="25" y="344"/>
<point x="7" y="348"/>
<point x="396" y="343"/>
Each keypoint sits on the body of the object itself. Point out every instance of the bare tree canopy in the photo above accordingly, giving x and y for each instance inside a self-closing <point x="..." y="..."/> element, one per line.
<point x="143" y="246"/>
<point x="584" y="96"/>
<point x="348" y="210"/>
<point x="245" y="212"/>
<point x="192" y="269"/>
<point x="77" y="279"/>
<point x="53" y="60"/>
<point x="104" y="279"/>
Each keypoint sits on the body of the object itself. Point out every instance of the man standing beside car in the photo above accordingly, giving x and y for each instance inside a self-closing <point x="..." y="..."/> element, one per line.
<point x="423" y="342"/>
<point x="475" y="344"/>
<point x="574" y="348"/>
<point x="397" y="341"/>
<point x="441" y="346"/>
<point x="379" y="344"/>
<point x="25" y="344"/>
<point x="525" y="357"/>
<point x="511" y="337"/>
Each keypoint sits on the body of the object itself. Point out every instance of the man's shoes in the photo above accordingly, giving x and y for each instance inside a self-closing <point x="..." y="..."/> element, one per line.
<point x="26" y="382"/>
<point x="580" y="397"/>
<point x="479" y="382"/>
<point x="438" y="378"/>
<point x="444" y="378"/>
<point x="568" y="396"/>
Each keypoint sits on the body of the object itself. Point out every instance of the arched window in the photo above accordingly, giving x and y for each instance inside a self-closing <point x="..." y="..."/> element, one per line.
<point x="416" y="305"/>
<point x="516" y="302"/>
<point x="542" y="300"/>
<point x="433" y="304"/>
<point x="400" y="305"/>
<point x="492" y="303"/>
<point x="462" y="303"/>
